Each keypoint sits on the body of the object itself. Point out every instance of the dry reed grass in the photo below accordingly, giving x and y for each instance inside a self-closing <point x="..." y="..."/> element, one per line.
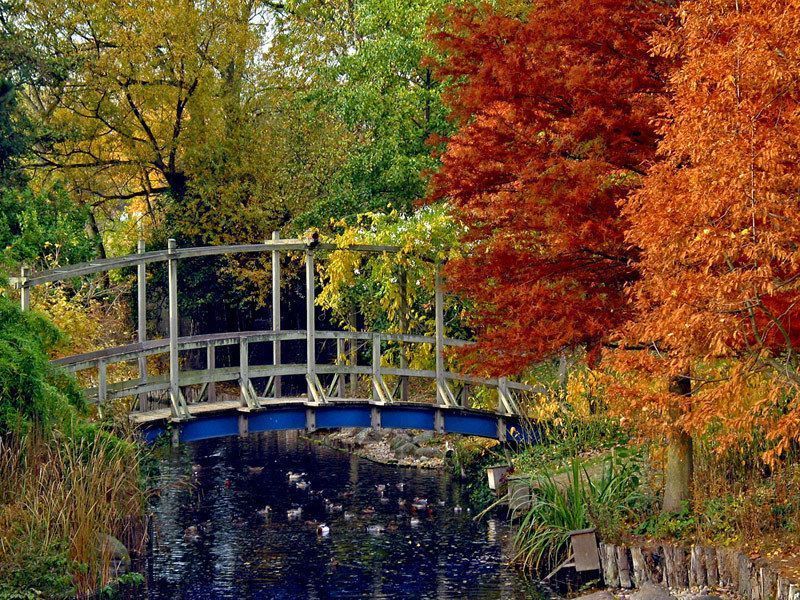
<point x="60" y="491"/>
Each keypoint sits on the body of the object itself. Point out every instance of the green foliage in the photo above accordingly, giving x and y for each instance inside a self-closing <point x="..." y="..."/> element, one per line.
<point x="43" y="229"/>
<point x="402" y="281"/>
<point x="364" y="60"/>
<point x="34" y="574"/>
<point x="559" y="507"/>
<point x="678" y="525"/>
<point x="32" y="391"/>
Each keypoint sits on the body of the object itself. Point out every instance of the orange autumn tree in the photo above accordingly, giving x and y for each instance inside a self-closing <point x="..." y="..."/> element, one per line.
<point x="554" y="112"/>
<point x="717" y="222"/>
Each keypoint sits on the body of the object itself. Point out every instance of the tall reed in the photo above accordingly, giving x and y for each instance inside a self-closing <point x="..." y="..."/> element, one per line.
<point x="61" y="495"/>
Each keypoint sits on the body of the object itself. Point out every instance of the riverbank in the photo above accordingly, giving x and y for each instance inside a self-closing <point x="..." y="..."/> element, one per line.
<point x="404" y="448"/>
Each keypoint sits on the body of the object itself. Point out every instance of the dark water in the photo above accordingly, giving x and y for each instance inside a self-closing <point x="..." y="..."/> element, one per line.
<point x="241" y="554"/>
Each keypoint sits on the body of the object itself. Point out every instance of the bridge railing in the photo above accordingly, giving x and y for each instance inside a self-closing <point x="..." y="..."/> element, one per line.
<point x="453" y="389"/>
<point x="144" y="384"/>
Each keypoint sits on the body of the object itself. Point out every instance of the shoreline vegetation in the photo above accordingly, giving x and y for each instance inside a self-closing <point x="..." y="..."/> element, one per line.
<point x="70" y="485"/>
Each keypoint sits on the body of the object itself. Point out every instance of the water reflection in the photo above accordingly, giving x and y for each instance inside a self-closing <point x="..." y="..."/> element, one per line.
<point x="215" y="538"/>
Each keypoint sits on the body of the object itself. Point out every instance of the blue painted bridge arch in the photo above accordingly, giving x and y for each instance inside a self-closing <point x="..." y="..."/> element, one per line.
<point x="236" y="421"/>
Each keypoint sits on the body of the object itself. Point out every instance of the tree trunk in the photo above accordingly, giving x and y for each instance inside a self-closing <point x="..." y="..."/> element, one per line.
<point x="679" y="469"/>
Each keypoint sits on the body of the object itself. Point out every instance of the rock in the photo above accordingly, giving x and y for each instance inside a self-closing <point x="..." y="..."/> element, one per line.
<point x="422" y="438"/>
<point x="428" y="452"/>
<point x="651" y="591"/>
<point x="120" y="559"/>
<point x="407" y="449"/>
<point x="398" y="441"/>
<point x="361" y="437"/>
<point x="601" y="595"/>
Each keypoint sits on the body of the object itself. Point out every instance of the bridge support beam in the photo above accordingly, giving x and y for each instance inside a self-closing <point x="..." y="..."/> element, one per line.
<point x="141" y="320"/>
<point x="276" y="311"/>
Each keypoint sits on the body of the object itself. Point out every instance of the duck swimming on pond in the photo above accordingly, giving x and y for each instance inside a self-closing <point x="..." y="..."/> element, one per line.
<point x="348" y="516"/>
<point x="254" y="470"/>
<point x="294" y="513"/>
<point x="414" y="521"/>
<point x="302" y="485"/>
<point x="400" y="486"/>
<point x="295" y="476"/>
<point x="420" y="503"/>
<point x="374" y="529"/>
<point x="191" y="534"/>
<point x="323" y="530"/>
<point x="265" y="512"/>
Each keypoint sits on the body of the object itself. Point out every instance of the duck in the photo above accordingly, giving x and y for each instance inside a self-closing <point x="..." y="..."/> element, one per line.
<point x="294" y="513"/>
<point x="440" y="503"/>
<point x="414" y="521"/>
<point x="295" y="476"/>
<point x="384" y="500"/>
<point x="381" y="487"/>
<point x="420" y="503"/>
<point x="457" y="510"/>
<point x="265" y="512"/>
<point x="348" y="516"/>
<point x="374" y="529"/>
<point x="323" y="530"/>
<point x="400" y="486"/>
<point x="254" y="470"/>
<point x="368" y="511"/>
<point x="191" y="534"/>
<point x="302" y="485"/>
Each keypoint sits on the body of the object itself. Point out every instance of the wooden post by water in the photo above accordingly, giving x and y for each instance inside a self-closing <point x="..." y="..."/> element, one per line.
<point x="174" y="374"/>
<point x="276" y="311"/>
<point x="141" y="319"/>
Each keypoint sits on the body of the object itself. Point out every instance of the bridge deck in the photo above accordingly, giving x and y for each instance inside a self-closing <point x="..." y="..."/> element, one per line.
<point x="229" y="417"/>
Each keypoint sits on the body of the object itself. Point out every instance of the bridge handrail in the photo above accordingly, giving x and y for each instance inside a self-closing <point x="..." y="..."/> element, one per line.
<point x="88" y="360"/>
<point x="132" y="260"/>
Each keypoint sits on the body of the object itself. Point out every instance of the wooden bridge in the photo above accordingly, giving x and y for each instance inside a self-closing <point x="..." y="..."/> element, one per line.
<point x="330" y="400"/>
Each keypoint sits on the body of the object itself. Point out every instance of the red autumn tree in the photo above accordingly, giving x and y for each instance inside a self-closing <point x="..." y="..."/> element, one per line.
<point x="718" y="224"/>
<point x="555" y="113"/>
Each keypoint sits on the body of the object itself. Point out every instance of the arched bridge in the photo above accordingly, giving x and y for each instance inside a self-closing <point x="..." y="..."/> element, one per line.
<point x="195" y="410"/>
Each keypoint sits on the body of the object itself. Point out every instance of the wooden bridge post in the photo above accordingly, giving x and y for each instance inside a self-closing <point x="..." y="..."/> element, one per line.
<point x="352" y="349"/>
<point x="24" y="289"/>
<point x="439" y="318"/>
<point x="244" y="371"/>
<point x="141" y="318"/>
<point x="211" y="364"/>
<point x="340" y="360"/>
<point x="311" y="353"/>
<point x="376" y="366"/>
<point x="403" y="330"/>
<point x="174" y="373"/>
<point x="276" y="311"/>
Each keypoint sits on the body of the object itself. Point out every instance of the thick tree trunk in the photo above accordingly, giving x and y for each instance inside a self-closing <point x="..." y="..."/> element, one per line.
<point x="679" y="470"/>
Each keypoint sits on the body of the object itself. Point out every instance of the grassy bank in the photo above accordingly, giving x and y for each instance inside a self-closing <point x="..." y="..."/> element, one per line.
<point x="69" y="486"/>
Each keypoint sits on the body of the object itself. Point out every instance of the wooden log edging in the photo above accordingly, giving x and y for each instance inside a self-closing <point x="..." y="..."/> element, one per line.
<point x="680" y="568"/>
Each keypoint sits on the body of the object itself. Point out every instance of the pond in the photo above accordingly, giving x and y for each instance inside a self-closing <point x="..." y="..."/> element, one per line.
<point x="213" y="537"/>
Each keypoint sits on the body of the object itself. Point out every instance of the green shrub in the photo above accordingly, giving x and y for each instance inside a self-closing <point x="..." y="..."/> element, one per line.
<point x="32" y="391"/>
<point x="559" y="507"/>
